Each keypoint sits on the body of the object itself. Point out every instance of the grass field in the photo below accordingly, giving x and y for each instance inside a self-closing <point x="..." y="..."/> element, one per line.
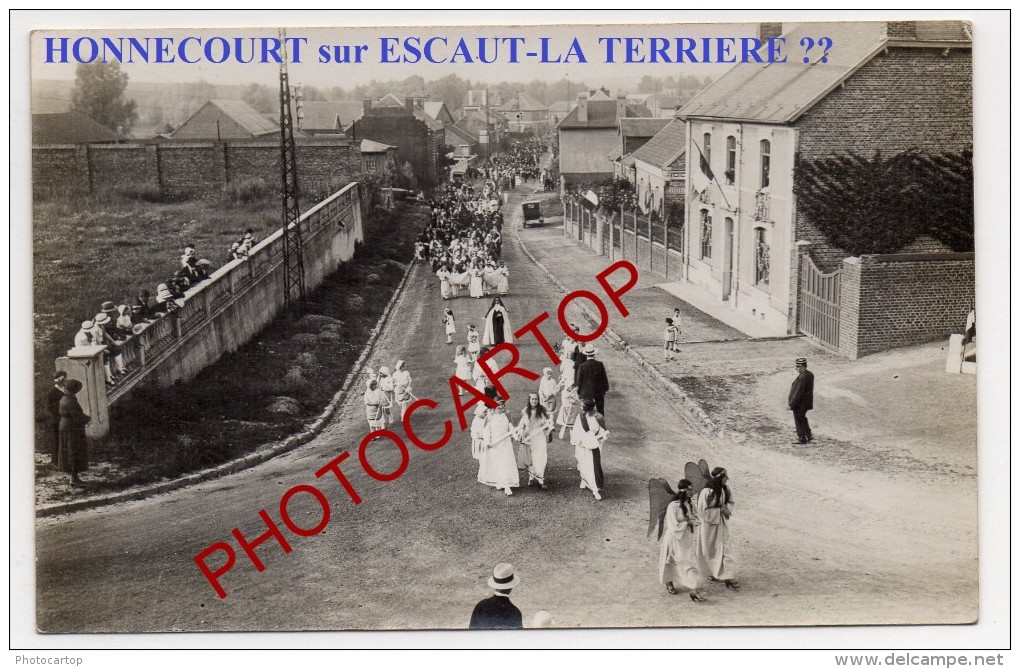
<point x="85" y="257"/>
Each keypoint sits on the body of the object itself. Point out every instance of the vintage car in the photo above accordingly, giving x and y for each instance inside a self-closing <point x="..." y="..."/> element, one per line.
<point x="532" y="213"/>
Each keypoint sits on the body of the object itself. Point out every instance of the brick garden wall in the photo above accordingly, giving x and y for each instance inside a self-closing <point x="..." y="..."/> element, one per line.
<point x="182" y="169"/>
<point x="888" y="301"/>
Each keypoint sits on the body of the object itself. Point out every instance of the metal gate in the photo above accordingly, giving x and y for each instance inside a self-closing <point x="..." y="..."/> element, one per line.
<point x="819" y="303"/>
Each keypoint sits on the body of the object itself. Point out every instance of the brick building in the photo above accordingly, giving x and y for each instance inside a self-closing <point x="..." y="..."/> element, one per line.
<point x="885" y="87"/>
<point x="420" y="139"/>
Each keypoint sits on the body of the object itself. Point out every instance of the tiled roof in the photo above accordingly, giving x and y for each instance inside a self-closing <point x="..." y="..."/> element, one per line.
<point x="601" y="114"/>
<point x="522" y="102"/>
<point x="245" y="116"/>
<point x="665" y="147"/>
<point x="562" y="106"/>
<point x="599" y="96"/>
<point x="389" y="100"/>
<point x="433" y="108"/>
<point x="322" y="115"/>
<point x="453" y="132"/>
<point x="432" y="123"/>
<point x="782" y="92"/>
<point x="641" y="127"/>
<point x="615" y="153"/>
<point x="370" y="146"/>
<point x="70" y="128"/>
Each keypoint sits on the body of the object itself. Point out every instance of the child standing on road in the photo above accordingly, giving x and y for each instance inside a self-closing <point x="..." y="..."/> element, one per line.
<point x="670" y="339"/>
<point x="451" y="325"/>
<point x="474" y="344"/>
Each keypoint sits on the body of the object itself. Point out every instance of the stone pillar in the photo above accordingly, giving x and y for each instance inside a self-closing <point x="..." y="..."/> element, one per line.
<point x="85" y="364"/>
<point x="800" y="249"/>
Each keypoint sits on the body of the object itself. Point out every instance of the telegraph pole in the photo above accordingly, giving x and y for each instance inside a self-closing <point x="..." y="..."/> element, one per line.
<point x="293" y="257"/>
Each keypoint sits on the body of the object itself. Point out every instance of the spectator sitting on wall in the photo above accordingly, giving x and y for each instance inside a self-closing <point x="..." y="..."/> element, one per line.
<point x="144" y="304"/>
<point x="124" y="323"/>
<point x="189" y="252"/>
<point x="166" y="302"/>
<point x="108" y="322"/>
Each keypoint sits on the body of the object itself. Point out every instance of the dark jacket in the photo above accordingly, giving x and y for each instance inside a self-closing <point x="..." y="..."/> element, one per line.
<point x="496" y="613"/>
<point x="591" y="379"/>
<point x="802" y="391"/>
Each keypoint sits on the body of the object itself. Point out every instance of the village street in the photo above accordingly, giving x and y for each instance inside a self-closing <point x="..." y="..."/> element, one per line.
<point x="816" y="542"/>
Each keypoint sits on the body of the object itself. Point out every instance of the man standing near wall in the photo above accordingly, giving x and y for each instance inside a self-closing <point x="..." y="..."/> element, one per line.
<point x="802" y="395"/>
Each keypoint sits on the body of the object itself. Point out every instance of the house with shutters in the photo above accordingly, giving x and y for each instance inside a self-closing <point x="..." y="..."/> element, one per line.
<point x="883" y="87"/>
<point x="524" y="114"/>
<point x="659" y="168"/>
<point x="588" y="135"/>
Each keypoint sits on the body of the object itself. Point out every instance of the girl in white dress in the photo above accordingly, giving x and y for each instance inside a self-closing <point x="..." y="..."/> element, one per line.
<point x="474" y="342"/>
<point x="715" y="506"/>
<point x="548" y="391"/>
<point x="678" y="532"/>
<point x="533" y="431"/>
<point x="445" y="289"/>
<point x="497" y="466"/>
<point x="463" y="362"/>
<point x="477" y="288"/>
<point x="451" y="325"/>
<point x="570" y="403"/>
<point x="375" y="406"/>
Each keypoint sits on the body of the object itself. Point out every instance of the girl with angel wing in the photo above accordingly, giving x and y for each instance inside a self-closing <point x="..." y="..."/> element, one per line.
<point x="678" y="536"/>
<point x="714" y="508"/>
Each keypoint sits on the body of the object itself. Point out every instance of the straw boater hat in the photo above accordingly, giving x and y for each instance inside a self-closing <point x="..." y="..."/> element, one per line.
<point x="589" y="349"/>
<point x="384" y="371"/>
<point x="503" y="577"/>
<point x="108" y="307"/>
<point x="102" y="318"/>
<point x="802" y="361"/>
<point x="87" y="325"/>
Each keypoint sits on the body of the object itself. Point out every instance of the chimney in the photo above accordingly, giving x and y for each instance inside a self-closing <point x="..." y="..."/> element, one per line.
<point x="901" y="30"/>
<point x="409" y="105"/>
<point x="621" y="106"/>
<point x="582" y="108"/>
<point x="366" y="105"/>
<point x="767" y="30"/>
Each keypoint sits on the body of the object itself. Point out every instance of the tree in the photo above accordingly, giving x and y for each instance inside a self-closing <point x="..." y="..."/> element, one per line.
<point x="99" y="94"/>
<point x="260" y="98"/>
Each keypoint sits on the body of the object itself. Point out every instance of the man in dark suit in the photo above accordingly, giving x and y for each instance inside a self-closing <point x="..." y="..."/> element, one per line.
<point x="802" y="395"/>
<point x="498" y="612"/>
<point x="53" y="397"/>
<point x="592" y="382"/>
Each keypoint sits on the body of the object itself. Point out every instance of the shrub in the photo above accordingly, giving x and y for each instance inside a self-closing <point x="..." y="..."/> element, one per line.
<point x="248" y="191"/>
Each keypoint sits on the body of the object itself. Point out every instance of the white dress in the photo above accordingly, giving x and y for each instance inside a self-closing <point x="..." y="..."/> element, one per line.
<point x="463" y="372"/>
<point x="375" y="401"/>
<point x="533" y="452"/>
<point x="584" y="443"/>
<point x="497" y="466"/>
<point x="477" y="288"/>
<point x="402" y="390"/>
<point x="714" y="559"/>
<point x="451" y="325"/>
<point x="503" y="281"/>
<point x="678" y="559"/>
<point x="548" y="390"/>
<point x="444" y="284"/>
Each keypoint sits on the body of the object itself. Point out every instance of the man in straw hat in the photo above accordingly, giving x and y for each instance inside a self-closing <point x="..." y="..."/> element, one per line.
<point x="802" y="395"/>
<point x="498" y="612"/>
<point x="592" y="382"/>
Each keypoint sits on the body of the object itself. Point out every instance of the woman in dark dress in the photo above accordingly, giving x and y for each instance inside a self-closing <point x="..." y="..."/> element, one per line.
<point x="72" y="454"/>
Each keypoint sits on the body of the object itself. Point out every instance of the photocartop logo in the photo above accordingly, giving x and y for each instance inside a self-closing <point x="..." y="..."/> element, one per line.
<point x="226" y="555"/>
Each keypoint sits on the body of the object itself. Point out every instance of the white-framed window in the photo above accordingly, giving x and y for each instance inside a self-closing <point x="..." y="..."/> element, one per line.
<point x="370" y="165"/>
<point x="731" y="159"/>
<point x="761" y="257"/>
<point x="766" y="162"/>
<point x="706" y="235"/>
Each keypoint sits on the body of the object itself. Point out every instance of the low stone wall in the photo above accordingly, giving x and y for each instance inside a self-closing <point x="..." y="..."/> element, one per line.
<point x="223" y="313"/>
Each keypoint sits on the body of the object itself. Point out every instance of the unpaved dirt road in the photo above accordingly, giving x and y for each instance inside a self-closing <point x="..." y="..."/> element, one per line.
<point x="815" y="544"/>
